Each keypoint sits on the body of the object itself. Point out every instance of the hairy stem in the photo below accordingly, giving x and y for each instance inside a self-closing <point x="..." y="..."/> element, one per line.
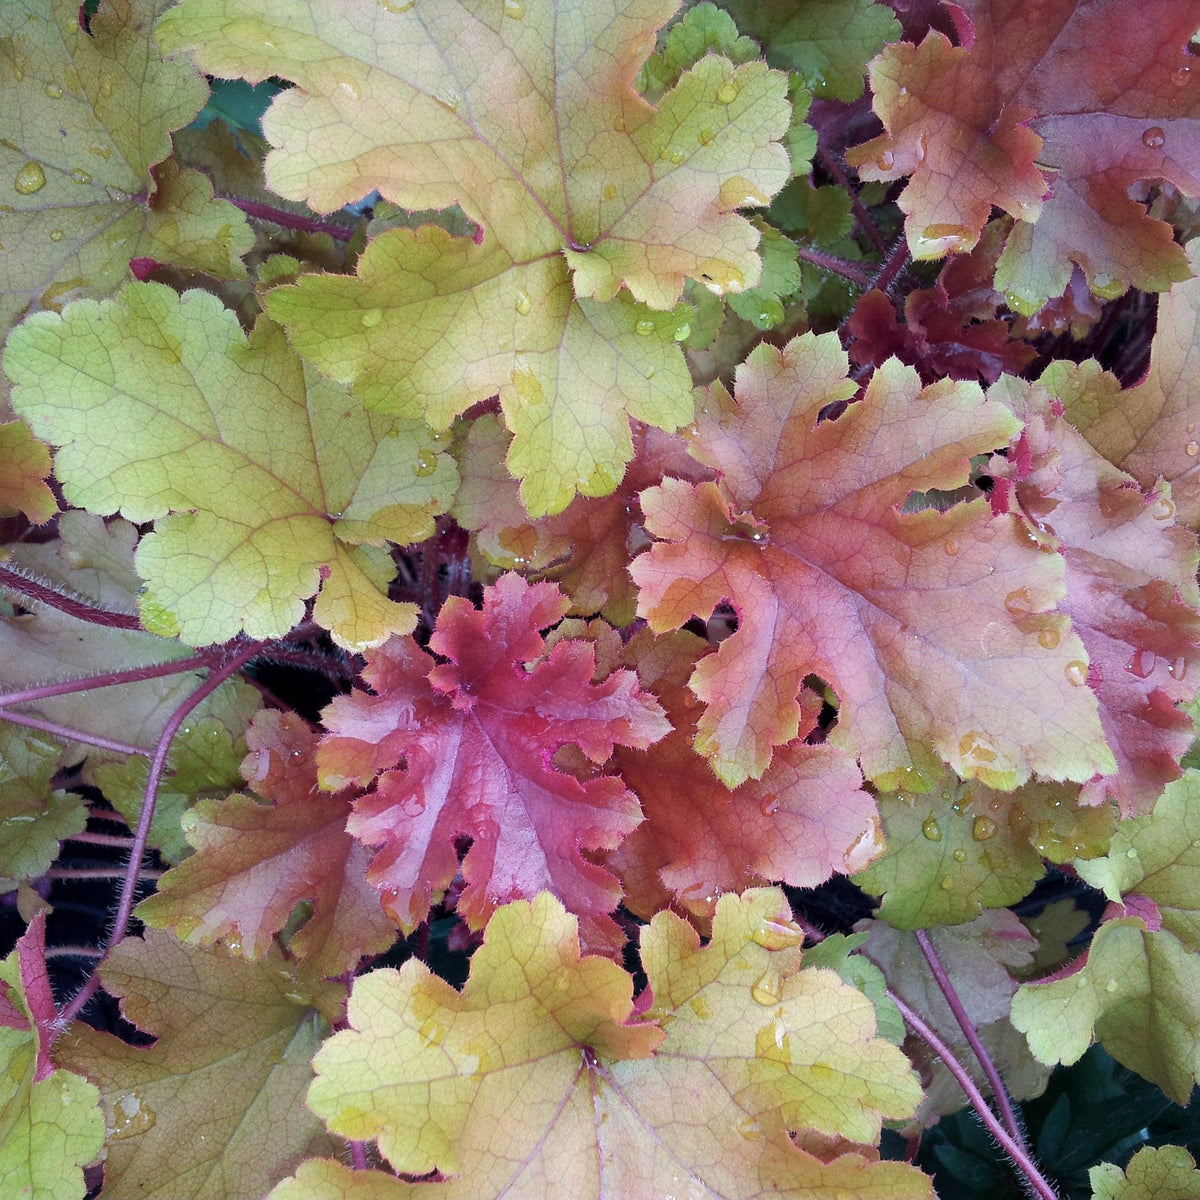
<point x="1013" y="1149"/>
<point x="999" y="1091"/>
<point x="158" y="765"/>
<point x="101" y="839"/>
<point x="289" y="220"/>
<point x="90" y="683"/>
<point x="865" y="221"/>
<point x="834" y="264"/>
<point x="98" y="873"/>
<point x="73" y="735"/>
<point x="18" y="581"/>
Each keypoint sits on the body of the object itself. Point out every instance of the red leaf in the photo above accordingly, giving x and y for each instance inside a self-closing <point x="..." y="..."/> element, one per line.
<point x="807" y="818"/>
<point x="466" y="746"/>
<point x="1131" y="593"/>
<point x="919" y="620"/>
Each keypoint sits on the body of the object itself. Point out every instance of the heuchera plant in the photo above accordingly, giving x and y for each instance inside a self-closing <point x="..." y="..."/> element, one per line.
<point x="703" y="557"/>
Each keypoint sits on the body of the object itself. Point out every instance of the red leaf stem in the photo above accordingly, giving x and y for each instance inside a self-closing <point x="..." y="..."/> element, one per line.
<point x="73" y="735"/>
<point x="279" y="216"/>
<point x="108" y="679"/>
<point x="16" y="580"/>
<point x="865" y="221"/>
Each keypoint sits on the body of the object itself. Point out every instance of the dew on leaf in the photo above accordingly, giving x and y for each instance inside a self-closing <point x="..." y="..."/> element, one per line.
<point x="949" y="239"/>
<point x="1077" y="672"/>
<point x="1178" y="669"/>
<point x="750" y="1129"/>
<point x="372" y="317"/>
<point x="100" y="151"/>
<point x="767" y="989"/>
<point x="931" y="829"/>
<point x="514" y="9"/>
<point x="1163" y="509"/>
<point x="131" y="1116"/>
<point x="528" y="386"/>
<point x="885" y="162"/>
<point x="523" y="303"/>
<point x="974" y="745"/>
<point x="30" y="178"/>
<point x="1048" y="638"/>
<point x="727" y="93"/>
<point x="449" y="100"/>
<point x="1111" y="986"/>
<point x="56" y="235"/>
<point x="960" y="855"/>
<point x="645" y="327"/>
<point x="946" y="884"/>
<point x="950" y="546"/>
<point x="432" y="1032"/>
<point x="1154" y="138"/>
<point x="682" y="332"/>
<point x="1019" y="602"/>
<point x="397" y="6"/>
<point x="1141" y="663"/>
<point x="705" y="137"/>
<point x="1192" y="448"/>
<point x="983" y="828"/>
<point x="700" y="1007"/>
<point x="1107" y="287"/>
<point x="610" y="191"/>
<point x="54" y="91"/>
<point x="774" y="934"/>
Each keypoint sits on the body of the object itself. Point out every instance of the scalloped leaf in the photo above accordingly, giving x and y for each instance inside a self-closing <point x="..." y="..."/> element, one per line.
<point x="908" y="616"/>
<point x="215" y="1107"/>
<point x="255" y="862"/>
<point x="534" y="1071"/>
<point x="261" y="477"/>
<point x="580" y="187"/>
<point x="1053" y="117"/>
<point x="1153" y="1173"/>
<point x="467" y="745"/>
<point x="90" y="115"/>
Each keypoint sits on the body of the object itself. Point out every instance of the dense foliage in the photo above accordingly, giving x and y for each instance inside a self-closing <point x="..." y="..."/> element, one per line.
<point x="610" y="590"/>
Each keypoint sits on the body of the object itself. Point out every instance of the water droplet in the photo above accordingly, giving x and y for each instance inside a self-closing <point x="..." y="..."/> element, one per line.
<point x="682" y="332"/>
<point x="528" y="386"/>
<point x="610" y="191"/>
<point x="1178" y="669"/>
<point x="645" y="327"/>
<point x="885" y="161"/>
<point x="947" y="239"/>
<point x="1154" y="138"/>
<point x="449" y="100"/>
<point x="56" y="235"/>
<point x="426" y="463"/>
<point x="1107" y="287"/>
<point x="931" y="829"/>
<point x="1182" y="76"/>
<point x="1131" y="852"/>
<point x="1019" y="602"/>
<point x="131" y="1115"/>
<point x="523" y="303"/>
<point x="372" y="317"/>
<point x="769" y="804"/>
<point x="54" y="91"/>
<point x="672" y="156"/>
<point x="1077" y="672"/>
<point x="397" y="6"/>
<point x="700" y="1007"/>
<point x="750" y="1129"/>
<point x="767" y="988"/>
<point x="514" y="9"/>
<point x="79" y="175"/>
<point x="974" y="745"/>
<point x="983" y="828"/>
<point x="432" y="1032"/>
<point x="1162" y="509"/>
<point x="727" y="93"/>
<point x="30" y="178"/>
<point x="705" y="137"/>
<point x="960" y="855"/>
<point x="946" y="884"/>
<point x="1081" y="981"/>
<point x="951" y="547"/>
<point x="774" y="934"/>
<point x="1141" y="663"/>
<point x="100" y="151"/>
<point x="1192" y="448"/>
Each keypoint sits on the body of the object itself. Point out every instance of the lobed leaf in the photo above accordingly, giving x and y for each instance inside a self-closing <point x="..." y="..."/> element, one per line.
<point x="467" y="746"/>
<point x="1053" y="116"/>
<point x="261" y="477"/>
<point x="528" y="119"/>
<point x="91" y="111"/>
<point x="919" y="621"/>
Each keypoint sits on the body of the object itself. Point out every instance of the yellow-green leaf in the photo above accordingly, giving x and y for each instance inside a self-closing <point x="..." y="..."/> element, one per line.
<point x="534" y="1080"/>
<point x="527" y="117"/>
<point x="261" y="476"/>
<point x="87" y="116"/>
<point x="1153" y="1173"/>
<point x="214" y="1109"/>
